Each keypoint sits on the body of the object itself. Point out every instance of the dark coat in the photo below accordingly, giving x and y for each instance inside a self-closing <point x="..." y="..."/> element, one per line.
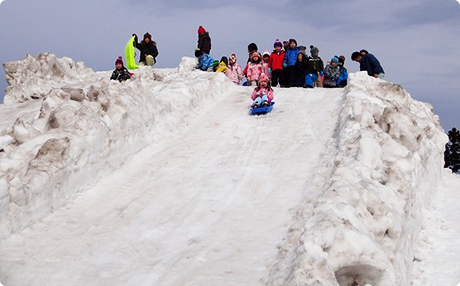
<point x="149" y="48"/>
<point x="317" y="62"/>
<point x="370" y="64"/>
<point x="120" y="74"/>
<point x="302" y="68"/>
<point x="204" y="42"/>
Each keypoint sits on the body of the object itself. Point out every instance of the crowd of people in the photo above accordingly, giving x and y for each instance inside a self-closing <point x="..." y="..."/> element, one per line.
<point x="288" y="65"/>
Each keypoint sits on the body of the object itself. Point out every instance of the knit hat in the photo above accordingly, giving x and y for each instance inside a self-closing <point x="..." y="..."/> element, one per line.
<point x="147" y="35"/>
<point x="198" y="53"/>
<point x="201" y="30"/>
<point x="266" y="53"/>
<point x="263" y="77"/>
<point x="119" y="61"/>
<point x="314" y="50"/>
<point x="255" y="54"/>
<point x="277" y="43"/>
<point x="335" y="59"/>
<point x="342" y="59"/>
<point x="233" y="58"/>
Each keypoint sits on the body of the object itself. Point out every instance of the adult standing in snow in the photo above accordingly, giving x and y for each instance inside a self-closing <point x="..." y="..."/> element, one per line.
<point x="204" y="41"/>
<point x="148" y="49"/>
<point x="369" y="63"/>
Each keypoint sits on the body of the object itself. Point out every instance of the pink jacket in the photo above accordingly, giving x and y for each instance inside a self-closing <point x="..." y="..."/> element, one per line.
<point x="260" y="92"/>
<point x="265" y="69"/>
<point x="234" y="73"/>
<point x="254" y="71"/>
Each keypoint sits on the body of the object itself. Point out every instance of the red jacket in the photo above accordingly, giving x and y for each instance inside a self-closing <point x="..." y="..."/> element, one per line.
<point x="276" y="60"/>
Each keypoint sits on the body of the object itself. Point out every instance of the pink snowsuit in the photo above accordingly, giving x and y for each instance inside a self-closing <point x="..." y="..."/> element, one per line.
<point x="261" y="92"/>
<point x="234" y="73"/>
<point x="254" y="71"/>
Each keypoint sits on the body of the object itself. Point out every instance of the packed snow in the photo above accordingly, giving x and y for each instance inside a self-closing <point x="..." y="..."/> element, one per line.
<point x="166" y="179"/>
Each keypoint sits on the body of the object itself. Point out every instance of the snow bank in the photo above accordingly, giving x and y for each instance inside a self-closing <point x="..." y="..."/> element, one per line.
<point x="86" y="127"/>
<point x="381" y="170"/>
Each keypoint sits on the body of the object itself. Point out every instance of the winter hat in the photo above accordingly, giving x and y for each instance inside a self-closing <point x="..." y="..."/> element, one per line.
<point x="342" y="59"/>
<point x="233" y="58"/>
<point x="255" y="54"/>
<point x="147" y="35"/>
<point x="119" y="61"/>
<point x="277" y="43"/>
<point x="198" y="53"/>
<point x="335" y="59"/>
<point x="314" y="50"/>
<point x="201" y="30"/>
<point x="252" y="47"/>
<point x="266" y="54"/>
<point x="292" y="41"/>
<point x="263" y="77"/>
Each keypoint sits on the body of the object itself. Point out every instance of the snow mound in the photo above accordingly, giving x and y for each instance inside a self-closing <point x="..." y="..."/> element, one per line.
<point x="377" y="174"/>
<point x="86" y="126"/>
<point x="377" y="178"/>
<point x="30" y="78"/>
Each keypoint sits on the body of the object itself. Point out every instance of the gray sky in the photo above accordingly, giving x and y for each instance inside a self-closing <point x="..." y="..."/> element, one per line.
<point x="417" y="42"/>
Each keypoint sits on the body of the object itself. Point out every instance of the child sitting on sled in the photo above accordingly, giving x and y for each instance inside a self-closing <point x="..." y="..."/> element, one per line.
<point x="263" y="93"/>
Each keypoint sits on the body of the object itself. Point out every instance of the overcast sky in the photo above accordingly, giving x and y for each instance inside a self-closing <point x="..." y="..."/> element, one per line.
<point x="416" y="41"/>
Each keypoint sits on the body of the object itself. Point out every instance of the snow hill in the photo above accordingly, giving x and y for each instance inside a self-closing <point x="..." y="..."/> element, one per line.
<point x="166" y="180"/>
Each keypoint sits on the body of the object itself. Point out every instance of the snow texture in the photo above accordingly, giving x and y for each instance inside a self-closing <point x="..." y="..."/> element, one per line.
<point x="346" y="182"/>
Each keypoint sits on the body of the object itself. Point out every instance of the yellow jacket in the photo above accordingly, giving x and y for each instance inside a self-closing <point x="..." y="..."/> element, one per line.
<point x="222" y="67"/>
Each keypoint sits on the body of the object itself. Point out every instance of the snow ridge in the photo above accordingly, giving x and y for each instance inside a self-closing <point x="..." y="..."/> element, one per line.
<point x="49" y="157"/>
<point x="363" y="227"/>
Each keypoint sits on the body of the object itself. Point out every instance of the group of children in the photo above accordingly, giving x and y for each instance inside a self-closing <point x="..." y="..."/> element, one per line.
<point x="287" y="66"/>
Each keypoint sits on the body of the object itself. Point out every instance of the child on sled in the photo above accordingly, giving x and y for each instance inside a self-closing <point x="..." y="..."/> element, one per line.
<point x="263" y="93"/>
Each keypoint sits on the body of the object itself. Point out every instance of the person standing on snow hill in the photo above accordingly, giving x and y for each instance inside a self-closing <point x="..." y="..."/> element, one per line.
<point x="205" y="61"/>
<point x="275" y="64"/>
<point x="120" y="73"/>
<point x="265" y="64"/>
<point x="254" y="70"/>
<point x="204" y="41"/>
<point x="318" y="64"/>
<point x="343" y="78"/>
<point x="148" y="50"/>
<point x="369" y="63"/>
<point x="234" y="72"/>
<point x="263" y="93"/>
<point x="290" y="59"/>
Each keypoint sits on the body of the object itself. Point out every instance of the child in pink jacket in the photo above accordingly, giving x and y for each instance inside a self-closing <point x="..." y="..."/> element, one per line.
<point x="265" y="64"/>
<point x="263" y="93"/>
<point x="254" y="70"/>
<point x="234" y="72"/>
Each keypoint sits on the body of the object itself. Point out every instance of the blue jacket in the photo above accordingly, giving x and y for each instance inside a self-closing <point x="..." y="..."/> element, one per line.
<point x="370" y="64"/>
<point x="290" y="57"/>
<point x="205" y="62"/>
<point x="342" y="81"/>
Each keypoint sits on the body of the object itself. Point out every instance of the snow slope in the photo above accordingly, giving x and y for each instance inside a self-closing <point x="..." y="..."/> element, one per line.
<point x="166" y="180"/>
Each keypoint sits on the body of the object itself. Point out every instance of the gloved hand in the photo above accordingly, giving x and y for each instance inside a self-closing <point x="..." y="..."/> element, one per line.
<point x="284" y="65"/>
<point x="269" y="70"/>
